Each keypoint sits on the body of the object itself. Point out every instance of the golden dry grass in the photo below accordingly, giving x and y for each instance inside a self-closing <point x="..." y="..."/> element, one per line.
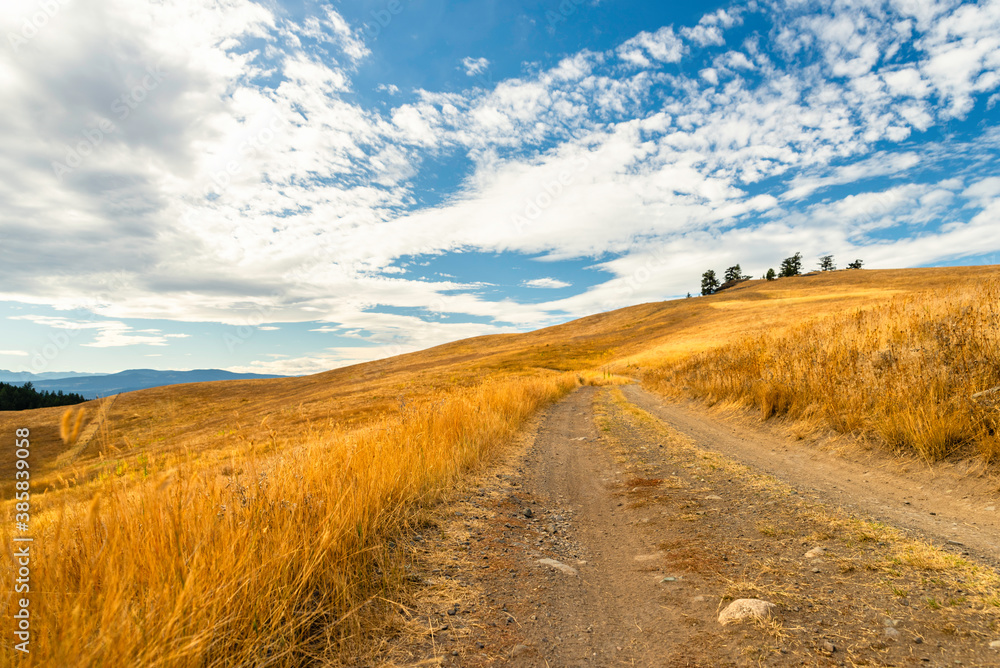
<point x="268" y="560"/>
<point x="256" y="522"/>
<point x="904" y="372"/>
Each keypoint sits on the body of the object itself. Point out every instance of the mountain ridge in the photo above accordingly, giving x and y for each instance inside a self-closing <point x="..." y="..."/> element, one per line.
<point x="130" y="380"/>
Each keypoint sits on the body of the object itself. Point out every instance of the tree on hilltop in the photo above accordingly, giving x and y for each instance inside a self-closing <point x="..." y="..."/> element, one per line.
<point x="791" y="266"/>
<point x="709" y="283"/>
<point x="826" y="263"/>
<point x="734" y="273"/>
<point x="855" y="265"/>
<point x="769" y="276"/>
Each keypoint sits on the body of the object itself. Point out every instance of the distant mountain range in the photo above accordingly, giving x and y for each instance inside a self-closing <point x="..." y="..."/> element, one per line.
<point x="25" y="376"/>
<point x="92" y="386"/>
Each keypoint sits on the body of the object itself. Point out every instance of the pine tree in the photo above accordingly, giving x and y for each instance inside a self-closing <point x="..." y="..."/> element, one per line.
<point x="855" y="265"/>
<point x="734" y="273"/>
<point x="769" y="276"/>
<point x="826" y="263"/>
<point x="791" y="266"/>
<point x="709" y="283"/>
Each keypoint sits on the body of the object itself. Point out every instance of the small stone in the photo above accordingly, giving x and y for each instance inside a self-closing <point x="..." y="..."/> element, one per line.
<point x="891" y="633"/>
<point x="713" y="497"/>
<point x="815" y="553"/>
<point x="528" y="512"/>
<point x="520" y="650"/>
<point x="816" y="570"/>
<point x="480" y="645"/>
<point x="454" y="652"/>
<point x="558" y="565"/>
<point x="995" y="644"/>
<point x="669" y="578"/>
<point x="648" y="557"/>
<point x="828" y="647"/>
<point x="742" y="608"/>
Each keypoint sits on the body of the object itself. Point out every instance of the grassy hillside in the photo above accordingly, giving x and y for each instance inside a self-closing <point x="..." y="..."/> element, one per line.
<point x="912" y="374"/>
<point x="243" y="522"/>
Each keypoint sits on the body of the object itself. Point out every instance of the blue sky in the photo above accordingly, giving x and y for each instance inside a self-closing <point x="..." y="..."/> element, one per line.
<point x="290" y="187"/>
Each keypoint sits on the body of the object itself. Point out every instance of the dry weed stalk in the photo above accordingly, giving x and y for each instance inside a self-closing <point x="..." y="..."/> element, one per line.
<point x="71" y="424"/>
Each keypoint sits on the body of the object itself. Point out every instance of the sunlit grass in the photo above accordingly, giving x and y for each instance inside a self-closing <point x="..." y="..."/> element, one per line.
<point x="903" y="373"/>
<point x="270" y="559"/>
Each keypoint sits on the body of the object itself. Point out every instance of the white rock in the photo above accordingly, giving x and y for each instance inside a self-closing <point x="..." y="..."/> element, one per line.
<point x="742" y="608"/>
<point x="995" y="644"/>
<point x="558" y="565"/>
<point x="713" y="497"/>
<point x="815" y="553"/>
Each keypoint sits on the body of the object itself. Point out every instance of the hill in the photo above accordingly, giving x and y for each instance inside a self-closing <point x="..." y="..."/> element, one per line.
<point x="306" y="491"/>
<point x="635" y="340"/>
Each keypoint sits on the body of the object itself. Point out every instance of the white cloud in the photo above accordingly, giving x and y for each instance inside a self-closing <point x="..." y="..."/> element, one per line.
<point x="108" y="334"/>
<point x="663" y="46"/>
<point x="546" y="283"/>
<point x="15" y="353"/>
<point x="474" y="66"/>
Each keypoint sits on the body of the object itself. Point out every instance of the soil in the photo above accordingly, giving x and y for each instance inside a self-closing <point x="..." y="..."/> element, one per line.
<point x="622" y="525"/>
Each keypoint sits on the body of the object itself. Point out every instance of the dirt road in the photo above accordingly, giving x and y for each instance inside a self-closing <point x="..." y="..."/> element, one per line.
<point x="617" y="532"/>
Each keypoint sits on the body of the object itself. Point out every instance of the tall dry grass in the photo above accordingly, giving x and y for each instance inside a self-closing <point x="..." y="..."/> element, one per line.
<point x="268" y="561"/>
<point x="903" y="373"/>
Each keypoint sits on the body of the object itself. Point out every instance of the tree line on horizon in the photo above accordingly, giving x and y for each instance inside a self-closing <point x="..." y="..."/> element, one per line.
<point x="25" y="397"/>
<point x="790" y="266"/>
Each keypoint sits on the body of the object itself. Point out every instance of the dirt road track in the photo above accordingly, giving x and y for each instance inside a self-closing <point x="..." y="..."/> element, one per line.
<point x="615" y="536"/>
<point x="939" y="502"/>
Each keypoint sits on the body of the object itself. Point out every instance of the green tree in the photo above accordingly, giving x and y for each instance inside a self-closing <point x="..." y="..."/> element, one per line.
<point x="23" y="397"/>
<point x="791" y="266"/>
<point x="826" y="263"/>
<point x="709" y="283"/>
<point x="855" y="265"/>
<point x="769" y="276"/>
<point x="734" y="273"/>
